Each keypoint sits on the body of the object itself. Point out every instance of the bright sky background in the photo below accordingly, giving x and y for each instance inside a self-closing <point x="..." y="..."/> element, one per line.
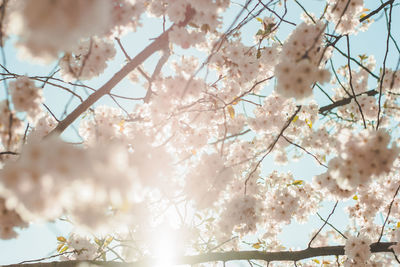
<point x="40" y="239"/>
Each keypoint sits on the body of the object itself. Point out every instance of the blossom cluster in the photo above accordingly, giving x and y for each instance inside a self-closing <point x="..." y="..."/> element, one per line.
<point x="360" y="158"/>
<point x="345" y="14"/>
<point x="34" y="21"/>
<point x="37" y="20"/>
<point x="125" y="16"/>
<point x="103" y="174"/>
<point x="8" y="220"/>
<point x="26" y="97"/>
<point x="391" y="81"/>
<point x="81" y="248"/>
<point x="391" y="89"/>
<point x="11" y="127"/>
<point x="244" y="65"/>
<point x="357" y="251"/>
<point x="271" y="116"/>
<point x="87" y="60"/>
<point x="243" y="212"/>
<point x="357" y="82"/>
<point x="300" y="60"/>
<point x="268" y="204"/>
<point x="208" y="179"/>
<point x="185" y="39"/>
<point x="186" y="146"/>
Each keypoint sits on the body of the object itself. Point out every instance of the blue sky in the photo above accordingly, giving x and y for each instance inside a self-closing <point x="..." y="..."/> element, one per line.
<point x="40" y="239"/>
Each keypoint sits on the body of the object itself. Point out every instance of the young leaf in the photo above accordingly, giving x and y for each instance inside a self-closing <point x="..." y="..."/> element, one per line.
<point x="59" y="247"/>
<point x="309" y="123"/>
<point x="63" y="249"/>
<point x="260" y="32"/>
<point x="298" y="182"/>
<point x="231" y="111"/>
<point x="61" y="239"/>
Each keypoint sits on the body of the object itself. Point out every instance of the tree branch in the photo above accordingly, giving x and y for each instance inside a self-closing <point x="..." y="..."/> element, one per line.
<point x="344" y="101"/>
<point x="158" y="44"/>
<point x="376" y="10"/>
<point x="223" y="256"/>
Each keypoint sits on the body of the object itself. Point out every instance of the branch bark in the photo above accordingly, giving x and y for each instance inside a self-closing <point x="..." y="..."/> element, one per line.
<point x="223" y="256"/>
<point x="344" y="101"/>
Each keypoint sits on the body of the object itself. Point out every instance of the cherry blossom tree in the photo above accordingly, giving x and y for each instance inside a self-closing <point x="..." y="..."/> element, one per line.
<point x="179" y="172"/>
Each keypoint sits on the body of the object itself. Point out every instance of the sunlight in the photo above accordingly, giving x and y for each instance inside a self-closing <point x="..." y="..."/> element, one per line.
<point x="164" y="248"/>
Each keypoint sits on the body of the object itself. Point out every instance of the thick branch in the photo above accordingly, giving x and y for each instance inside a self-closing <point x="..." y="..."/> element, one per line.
<point x="344" y="101"/>
<point x="158" y="44"/>
<point x="224" y="256"/>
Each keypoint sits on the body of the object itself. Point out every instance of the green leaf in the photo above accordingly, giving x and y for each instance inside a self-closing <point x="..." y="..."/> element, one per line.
<point x="260" y="32"/>
<point x="309" y="123"/>
<point x="363" y="57"/>
<point x="59" y="247"/>
<point x="63" y="249"/>
<point x="298" y="182"/>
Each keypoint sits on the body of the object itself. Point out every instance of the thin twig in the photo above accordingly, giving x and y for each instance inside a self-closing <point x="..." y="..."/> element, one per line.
<point x="384" y="65"/>
<point x="305" y="150"/>
<point x="376" y="10"/>
<point x="322" y="227"/>
<point x="331" y="225"/>
<point x="388" y="214"/>
<point x="351" y="82"/>
<point x="271" y="147"/>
